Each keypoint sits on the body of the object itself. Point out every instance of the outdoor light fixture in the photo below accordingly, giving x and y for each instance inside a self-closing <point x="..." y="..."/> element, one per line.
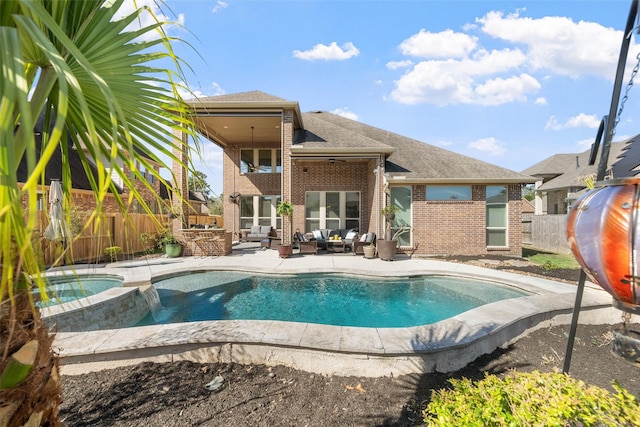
<point x="234" y="197"/>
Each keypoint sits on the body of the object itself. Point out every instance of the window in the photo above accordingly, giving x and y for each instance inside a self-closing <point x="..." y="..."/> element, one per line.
<point x="401" y="197"/>
<point x="259" y="210"/>
<point x="448" y="192"/>
<point x="332" y="209"/>
<point x="260" y="161"/>
<point x="497" y="202"/>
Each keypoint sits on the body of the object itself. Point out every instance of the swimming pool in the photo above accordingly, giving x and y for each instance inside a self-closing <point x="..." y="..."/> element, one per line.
<point x="69" y="288"/>
<point x="329" y="299"/>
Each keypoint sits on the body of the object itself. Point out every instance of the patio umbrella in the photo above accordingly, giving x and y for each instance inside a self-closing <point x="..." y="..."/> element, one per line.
<point x="57" y="228"/>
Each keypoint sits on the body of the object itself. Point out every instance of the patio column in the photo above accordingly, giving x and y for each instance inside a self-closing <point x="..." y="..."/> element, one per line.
<point x="180" y="194"/>
<point x="287" y="139"/>
<point x="538" y="199"/>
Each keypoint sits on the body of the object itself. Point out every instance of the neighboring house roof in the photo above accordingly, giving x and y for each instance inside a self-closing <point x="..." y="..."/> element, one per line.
<point x="628" y="163"/>
<point x="53" y="170"/>
<point x="568" y="170"/>
<point x="408" y="160"/>
<point x="165" y="193"/>
<point x="527" y="206"/>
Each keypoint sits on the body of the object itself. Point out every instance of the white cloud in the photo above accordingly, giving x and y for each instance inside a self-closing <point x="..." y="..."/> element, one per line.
<point x="328" y="53"/>
<point x="489" y="145"/>
<point x="445" y="44"/>
<point x="394" y="65"/>
<point x="501" y="91"/>
<point x="344" y="112"/>
<point x="558" y="44"/>
<point x="580" y="121"/>
<point x="466" y="81"/>
<point x="219" y="6"/>
<point x="457" y="69"/>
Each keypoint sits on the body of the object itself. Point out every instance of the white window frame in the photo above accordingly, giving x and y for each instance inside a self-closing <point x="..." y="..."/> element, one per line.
<point x="506" y="216"/>
<point x="342" y="217"/>
<point x="256" y="161"/>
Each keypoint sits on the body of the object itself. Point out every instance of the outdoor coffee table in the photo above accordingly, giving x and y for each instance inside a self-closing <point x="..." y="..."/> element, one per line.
<point x="335" y="245"/>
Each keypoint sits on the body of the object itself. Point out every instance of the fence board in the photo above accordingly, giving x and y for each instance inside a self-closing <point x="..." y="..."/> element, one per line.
<point x="109" y="230"/>
<point x="547" y="232"/>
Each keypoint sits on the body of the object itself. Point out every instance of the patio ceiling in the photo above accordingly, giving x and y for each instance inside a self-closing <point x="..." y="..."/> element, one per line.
<point x="226" y="128"/>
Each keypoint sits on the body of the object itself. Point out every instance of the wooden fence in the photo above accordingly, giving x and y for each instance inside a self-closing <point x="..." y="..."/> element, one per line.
<point x="547" y="232"/>
<point x="91" y="238"/>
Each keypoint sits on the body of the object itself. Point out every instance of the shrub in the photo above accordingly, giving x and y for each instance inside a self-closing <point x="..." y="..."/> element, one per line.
<point x="530" y="399"/>
<point x="112" y="252"/>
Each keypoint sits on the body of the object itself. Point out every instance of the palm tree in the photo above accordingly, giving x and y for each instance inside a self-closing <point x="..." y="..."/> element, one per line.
<point x="95" y="77"/>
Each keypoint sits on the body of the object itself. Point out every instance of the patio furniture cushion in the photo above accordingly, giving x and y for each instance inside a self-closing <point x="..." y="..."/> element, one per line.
<point x="257" y="233"/>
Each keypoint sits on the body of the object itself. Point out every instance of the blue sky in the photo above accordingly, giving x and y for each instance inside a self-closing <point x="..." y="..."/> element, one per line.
<point x="507" y="82"/>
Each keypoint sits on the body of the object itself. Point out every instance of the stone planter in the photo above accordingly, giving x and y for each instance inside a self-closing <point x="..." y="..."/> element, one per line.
<point x="386" y="249"/>
<point x="173" y="250"/>
<point x="369" y="251"/>
<point x="284" y="251"/>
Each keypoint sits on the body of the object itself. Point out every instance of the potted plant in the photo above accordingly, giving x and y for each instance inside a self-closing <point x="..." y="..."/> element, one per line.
<point x="171" y="245"/>
<point x="389" y="212"/>
<point x="387" y="246"/>
<point x="285" y="249"/>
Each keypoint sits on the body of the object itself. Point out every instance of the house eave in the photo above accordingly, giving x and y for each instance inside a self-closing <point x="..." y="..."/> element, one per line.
<point x="407" y="179"/>
<point x="333" y="151"/>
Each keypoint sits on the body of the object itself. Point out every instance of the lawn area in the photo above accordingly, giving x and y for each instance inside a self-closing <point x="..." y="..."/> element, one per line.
<point x="549" y="260"/>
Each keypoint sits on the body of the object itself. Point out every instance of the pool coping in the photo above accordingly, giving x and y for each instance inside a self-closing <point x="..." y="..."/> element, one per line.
<point x="444" y="346"/>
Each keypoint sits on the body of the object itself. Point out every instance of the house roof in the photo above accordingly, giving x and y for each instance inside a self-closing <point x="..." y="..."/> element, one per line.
<point x="409" y="160"/>
<point x="247" y="116"/>
<point x="568" y="170"/>
<point x="628" y="163"/>
<point x="251" y="97"/>
<point x="53" y="169"/>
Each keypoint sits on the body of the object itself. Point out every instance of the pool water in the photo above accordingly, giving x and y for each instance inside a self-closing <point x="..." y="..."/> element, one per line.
<point x="321" y="298"/>
<point x="61" y="290"/>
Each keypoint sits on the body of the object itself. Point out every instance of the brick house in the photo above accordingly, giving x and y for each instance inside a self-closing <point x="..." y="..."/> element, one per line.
<point x="339" y="173"/>
<point x="560" y="179"/>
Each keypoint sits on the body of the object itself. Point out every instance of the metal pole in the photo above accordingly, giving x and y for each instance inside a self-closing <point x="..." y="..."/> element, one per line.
<point x="609" y="124"/>
<point x="574" y="322"/>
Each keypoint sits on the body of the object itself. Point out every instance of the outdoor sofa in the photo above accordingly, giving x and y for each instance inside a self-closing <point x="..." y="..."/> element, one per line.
<point x="258" y="233"/>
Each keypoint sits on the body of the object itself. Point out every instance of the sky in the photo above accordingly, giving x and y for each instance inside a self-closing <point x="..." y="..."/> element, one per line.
<point x="507" y="82"/>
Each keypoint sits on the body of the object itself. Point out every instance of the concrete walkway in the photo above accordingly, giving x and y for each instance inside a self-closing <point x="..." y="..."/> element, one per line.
<point x="444" y="346"/>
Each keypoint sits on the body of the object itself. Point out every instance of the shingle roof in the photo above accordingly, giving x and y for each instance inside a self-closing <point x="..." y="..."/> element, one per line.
<point x="53" y="170"/>
<point x="255" y="96"/>
<point x="627" y="165"/>
<point x="570" y="168"/>
<point x="412" y="159"/>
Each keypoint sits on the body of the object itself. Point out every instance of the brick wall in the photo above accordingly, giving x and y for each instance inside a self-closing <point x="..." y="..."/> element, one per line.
<point x="459" y="227"/>
<point x="325" y="176"/>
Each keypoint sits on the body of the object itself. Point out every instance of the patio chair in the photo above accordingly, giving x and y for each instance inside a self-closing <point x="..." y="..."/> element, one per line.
<point x="364" y="240"/>
<point x="305" y="245"/>
<point x="207" y="245"/>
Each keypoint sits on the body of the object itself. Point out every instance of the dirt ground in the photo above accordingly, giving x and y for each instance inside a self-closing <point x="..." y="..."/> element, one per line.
<point x="174" y="394"/>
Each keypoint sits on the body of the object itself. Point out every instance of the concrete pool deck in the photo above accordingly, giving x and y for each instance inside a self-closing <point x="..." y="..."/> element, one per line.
<point x="444" y="346"/>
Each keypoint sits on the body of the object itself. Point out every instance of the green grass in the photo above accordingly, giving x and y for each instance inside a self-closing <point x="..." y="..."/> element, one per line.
<point x="549" y="260"/>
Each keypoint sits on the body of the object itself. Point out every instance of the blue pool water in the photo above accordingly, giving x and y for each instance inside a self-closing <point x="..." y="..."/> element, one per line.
<point x="65" y="289"/>
<point x="321" y="298"/>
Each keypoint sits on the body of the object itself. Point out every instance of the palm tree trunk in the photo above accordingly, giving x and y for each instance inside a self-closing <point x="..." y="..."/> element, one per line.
<point x="34" y="401"/>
